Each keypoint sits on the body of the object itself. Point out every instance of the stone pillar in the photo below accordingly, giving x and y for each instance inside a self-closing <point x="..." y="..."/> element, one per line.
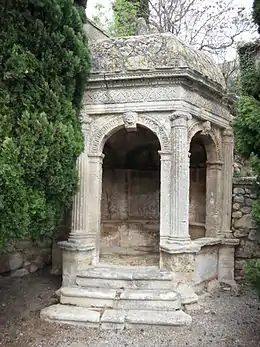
<point x="165" y="193"/>
<point x="79" y="230"/>
<point x="228" y="149"/>
<point x="213" y="198"/>
<point x="78" y="251"/>
<point x="94" y="200"/>
<point x="179" y="233"/>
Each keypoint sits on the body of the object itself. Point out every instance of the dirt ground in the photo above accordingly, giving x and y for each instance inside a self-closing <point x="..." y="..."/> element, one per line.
<point x="224" y="320"/>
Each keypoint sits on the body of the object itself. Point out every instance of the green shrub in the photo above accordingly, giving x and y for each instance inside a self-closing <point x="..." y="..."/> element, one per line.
<point x="252" y="274"/>
<point x="45" y="62"/>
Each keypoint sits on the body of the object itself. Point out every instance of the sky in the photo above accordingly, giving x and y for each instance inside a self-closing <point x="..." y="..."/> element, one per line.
<point x="107" y="4"/>
<point x="92" y="3"/>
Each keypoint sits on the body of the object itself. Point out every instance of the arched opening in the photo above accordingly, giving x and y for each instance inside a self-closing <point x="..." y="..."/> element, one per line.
<point x="198" y="173"/>
<point x="130" y="206"/>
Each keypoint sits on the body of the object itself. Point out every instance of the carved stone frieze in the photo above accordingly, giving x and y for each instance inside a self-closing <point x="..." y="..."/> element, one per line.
<point x="136" y="94"/>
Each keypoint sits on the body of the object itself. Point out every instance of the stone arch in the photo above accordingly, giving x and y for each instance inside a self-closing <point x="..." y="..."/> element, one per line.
<point x="100" y="134"/>
<point x="212" y="142"/>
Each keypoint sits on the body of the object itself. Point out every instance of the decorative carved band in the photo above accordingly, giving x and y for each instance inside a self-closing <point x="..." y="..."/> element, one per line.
<point x="100" y="133"/>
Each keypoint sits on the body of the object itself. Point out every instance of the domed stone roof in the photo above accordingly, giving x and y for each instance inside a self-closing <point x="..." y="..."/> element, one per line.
<point x="152" y="52"/>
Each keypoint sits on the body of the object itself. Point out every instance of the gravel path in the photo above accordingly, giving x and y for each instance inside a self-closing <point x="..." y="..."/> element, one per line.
<point x="224" y="320"/>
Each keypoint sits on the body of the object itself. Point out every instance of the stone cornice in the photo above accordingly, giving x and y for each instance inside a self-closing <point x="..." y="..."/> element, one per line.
<point x="177" y="76"/>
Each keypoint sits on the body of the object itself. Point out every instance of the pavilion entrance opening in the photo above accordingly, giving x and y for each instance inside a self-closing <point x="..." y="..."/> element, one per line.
<point x="130" y="205"/>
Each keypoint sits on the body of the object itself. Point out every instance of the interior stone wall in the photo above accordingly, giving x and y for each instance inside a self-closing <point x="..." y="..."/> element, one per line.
<point x="197" y="209"/>
<point x="130" y="212"/>
<point x="242" y="223"/>
<point x="130" y="207"/>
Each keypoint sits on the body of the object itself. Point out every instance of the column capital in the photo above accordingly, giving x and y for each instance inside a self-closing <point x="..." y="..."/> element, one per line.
<point x="215" y="165"/>
<point x="180" y="118"/>
<point x="228" y="133"/>
<point x="165" y="156"/>
<point x="96" y="158"/>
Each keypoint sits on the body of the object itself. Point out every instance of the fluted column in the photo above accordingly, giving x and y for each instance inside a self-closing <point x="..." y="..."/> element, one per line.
<point x="213" y="198"/>
<point x="228" y="151"/>
<point x="179" y="232"/>
<point x="165" y="189"/>
<point x="79" y="228"/>
<point x="94" y="200"/>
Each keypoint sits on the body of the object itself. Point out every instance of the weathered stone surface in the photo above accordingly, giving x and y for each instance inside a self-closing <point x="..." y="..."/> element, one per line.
<point x="71" y="315"/>
<point x="248" y="249"/>
<point x="246" y="210"/>
<point x="239" y="199"/>
<point x="165" y="50"/>
<point x="245" y="222"/>
<point x="237" y="214"/>
<point x="236" y="206"/>
<point x="20" y="273"/>
<point x="239" y="191"/>
<point x="254" y="235"/>
<point x="177" y="318"/>
<point x="15" y="260"/>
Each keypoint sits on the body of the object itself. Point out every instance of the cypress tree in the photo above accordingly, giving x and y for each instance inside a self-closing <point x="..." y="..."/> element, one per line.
<point x="44" y="64"/>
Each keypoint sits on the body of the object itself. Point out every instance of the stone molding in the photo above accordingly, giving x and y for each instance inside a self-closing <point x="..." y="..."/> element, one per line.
<point x="198" y="126"/>
<point x="180" y="118"/>
<point x="99" y="134"/>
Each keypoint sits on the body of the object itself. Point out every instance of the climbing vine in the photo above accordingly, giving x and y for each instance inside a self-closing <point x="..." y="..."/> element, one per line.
<point x="247" y="129"/>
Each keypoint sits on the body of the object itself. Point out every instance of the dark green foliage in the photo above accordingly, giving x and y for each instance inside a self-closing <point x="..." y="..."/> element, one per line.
<point x="126" y="13"/>
<point x="252" y="274"/>
<point x="45" y="62"/>
<point x="142" y="8"/>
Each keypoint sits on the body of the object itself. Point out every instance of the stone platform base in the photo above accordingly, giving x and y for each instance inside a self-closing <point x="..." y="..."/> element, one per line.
<point x="123" y="297"/>
<point x="114" y="319"/>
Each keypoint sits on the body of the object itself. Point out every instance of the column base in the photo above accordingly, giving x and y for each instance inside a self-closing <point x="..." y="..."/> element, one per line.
<point x="75" y="259"/>
<point x="178" y="240"/>
<point x="80" y="237"/>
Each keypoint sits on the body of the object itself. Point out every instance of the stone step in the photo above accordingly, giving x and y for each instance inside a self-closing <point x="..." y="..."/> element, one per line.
<point x="125" y="277"/>
<point x="111" y="319"/>
<point x="123" y="300"/>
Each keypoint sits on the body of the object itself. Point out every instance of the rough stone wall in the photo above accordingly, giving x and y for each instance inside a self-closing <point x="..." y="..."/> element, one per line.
<point x="242" y="223"/>
<point x="22" y="258"/>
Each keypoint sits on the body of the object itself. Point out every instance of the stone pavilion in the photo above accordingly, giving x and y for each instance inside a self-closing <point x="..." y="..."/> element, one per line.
<point x="151" y="219"/>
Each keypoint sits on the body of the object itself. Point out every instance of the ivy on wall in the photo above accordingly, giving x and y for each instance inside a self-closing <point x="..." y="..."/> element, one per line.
<point x="247" y="127"/>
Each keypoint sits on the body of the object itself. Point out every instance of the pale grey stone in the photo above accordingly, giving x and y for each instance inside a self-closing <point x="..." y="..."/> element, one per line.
<point x="244" y="222"/>
<point x="236" y="206"/>
<point x="71" y="315"/>
<point x="239" y="191"/>
<point x="239" y="198"/>
<point x="33" y="268"/>
<point x="15" y="260"/>
<point x="139" y="317"/>
<point x="246" y="210"/>
<point x="20" y="273"/>
<point x="237" y="214"/>
<point x="254" y="235"/>
<point x="249" y="202"/>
